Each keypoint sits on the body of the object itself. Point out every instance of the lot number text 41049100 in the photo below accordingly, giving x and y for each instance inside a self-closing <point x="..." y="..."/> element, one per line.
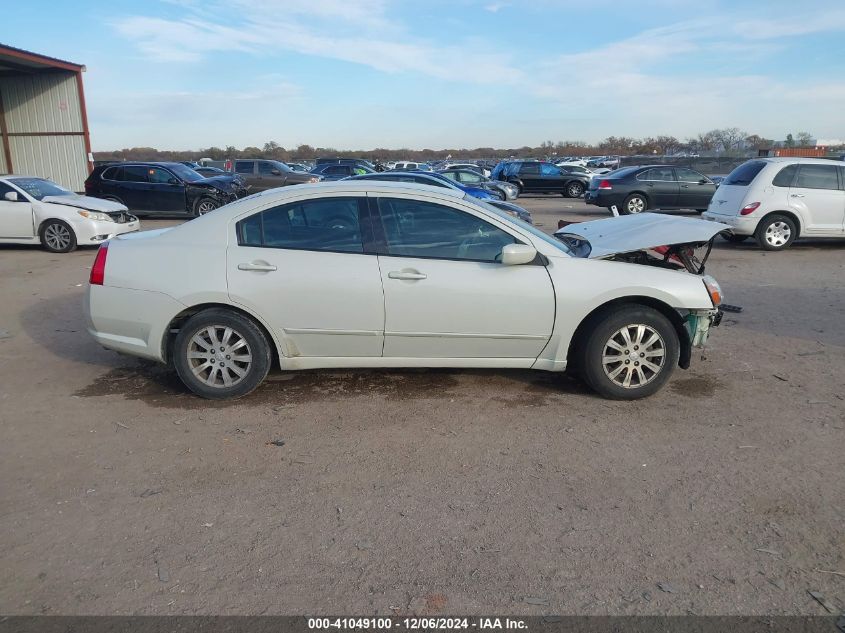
<point x="415" y="624"/>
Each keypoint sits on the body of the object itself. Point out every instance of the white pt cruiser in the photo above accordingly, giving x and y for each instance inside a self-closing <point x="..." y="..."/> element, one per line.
<point x="381" y="274"/>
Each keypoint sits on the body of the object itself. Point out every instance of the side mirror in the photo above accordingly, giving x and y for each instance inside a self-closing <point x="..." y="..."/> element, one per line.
<point x="704" y="181"/>
<point x="516" y="254"/>
<point x="11" y="196"/>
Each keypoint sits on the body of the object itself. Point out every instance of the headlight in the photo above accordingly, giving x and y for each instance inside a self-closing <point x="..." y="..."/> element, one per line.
<point x="94" y="215"/>
<point x="713" y="289"/>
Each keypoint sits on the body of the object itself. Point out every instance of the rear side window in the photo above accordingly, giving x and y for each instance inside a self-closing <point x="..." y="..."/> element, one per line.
<point x="658" y="173"/>
<point x="327" y="224"/>
<point x="244" y="166"/>
<point x="414" y="228"/>
<point x="529" y="168"/>
<point x="112" y="173"/>
<point x="135" y="173"/>
<point x="743" y="175"/>
<point x="817" y="177"/>
<point x="785" y="176"/>
<point x="549" y="170"/>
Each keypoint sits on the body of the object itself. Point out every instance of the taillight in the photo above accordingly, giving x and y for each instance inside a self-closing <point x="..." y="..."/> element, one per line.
<point x="749" y="208"/>
<point x="605" y="184"/>
<point x="98" y="270"/>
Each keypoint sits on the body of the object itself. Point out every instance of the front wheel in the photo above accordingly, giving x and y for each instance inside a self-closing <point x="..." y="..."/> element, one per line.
<point x="205" y="205"/>
<point x="776" y="232"/>
<point x="574" y="190"/>
<point x="221" y="354"/>
<point x="630" y="353"/>
<point x="635" y="203"/>
<point x="57" y="237"/>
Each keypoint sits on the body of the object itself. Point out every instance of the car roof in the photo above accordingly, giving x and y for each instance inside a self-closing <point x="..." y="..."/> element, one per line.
<point x="797" y="159"/>
<point x="22" y="176"/>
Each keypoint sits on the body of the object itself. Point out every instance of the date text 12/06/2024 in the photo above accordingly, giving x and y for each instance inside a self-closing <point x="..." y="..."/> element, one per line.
<point x="413" y="624"/>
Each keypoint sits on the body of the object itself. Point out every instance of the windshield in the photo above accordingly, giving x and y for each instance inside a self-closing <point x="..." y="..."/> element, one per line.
<point x="40" y="188"/>
<point x="548" y="239"/>
<point x="185" y="173"/>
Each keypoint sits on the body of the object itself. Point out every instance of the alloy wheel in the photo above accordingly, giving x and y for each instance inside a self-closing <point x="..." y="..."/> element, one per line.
<point x="205" y="206"/>
<point x="57" y="236"/>
<point x="634" y="355"/>
<point x="219" y="356"/>
<point x="636" y="205"/>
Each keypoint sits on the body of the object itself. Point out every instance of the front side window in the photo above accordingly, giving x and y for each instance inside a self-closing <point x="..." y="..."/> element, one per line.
<point x="327" y="224"/>
<point x="244" y="166"/>
<point x="4" y="189"/>
<point x="786" y="176"/>
<point x="159" y="176"/>
<point x="689" y="175"/>
<point x="415" y="228"/>
<point x="817" y="177"/>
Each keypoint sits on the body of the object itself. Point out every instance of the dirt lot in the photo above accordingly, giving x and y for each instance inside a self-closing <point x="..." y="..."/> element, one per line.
<point x="429" y="491"/>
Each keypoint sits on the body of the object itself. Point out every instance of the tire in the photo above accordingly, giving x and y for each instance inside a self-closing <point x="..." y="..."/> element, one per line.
<point x="205" y="205"/>
<point x="202" y="374"/>
<point x="57" y="237"/>
<point x="606" y="340"/>
<point x="776" y="232"/>
<point x="573" y="190"/>
<point x="700" y="210"/>
<point x="635" y="203"/>
<point x="732" y="238"/>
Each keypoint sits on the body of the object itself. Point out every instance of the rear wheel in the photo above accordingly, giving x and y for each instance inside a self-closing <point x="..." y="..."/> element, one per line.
<point x="573" y="190"/>
<point x="629" y="353"/>
<point x="57" y="237"/>
<point x="635" y="203"/>
<point x="221" y="354"/>
<point x="776" y="232"/>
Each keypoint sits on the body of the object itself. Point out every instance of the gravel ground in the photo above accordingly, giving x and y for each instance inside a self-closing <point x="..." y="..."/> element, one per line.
<point x="399" y="492"/>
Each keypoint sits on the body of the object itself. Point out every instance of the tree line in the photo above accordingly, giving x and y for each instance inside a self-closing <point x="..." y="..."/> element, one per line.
<point x="726" y="142"/>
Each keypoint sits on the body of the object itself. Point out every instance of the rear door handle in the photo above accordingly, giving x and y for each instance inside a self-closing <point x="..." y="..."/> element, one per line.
<point x="406" y="274"/>
<point x="258" y="266"/>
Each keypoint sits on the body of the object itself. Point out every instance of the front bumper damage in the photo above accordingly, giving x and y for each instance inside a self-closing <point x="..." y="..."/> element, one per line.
<point x="699" y="323"/>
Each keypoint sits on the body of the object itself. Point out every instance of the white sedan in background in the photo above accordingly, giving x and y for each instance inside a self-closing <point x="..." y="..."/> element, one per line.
<point x="38" y="211"/>
<point x="381" y="274"/>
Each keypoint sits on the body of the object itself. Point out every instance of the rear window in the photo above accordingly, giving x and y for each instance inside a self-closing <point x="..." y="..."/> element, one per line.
<point x="620" y="173"/>
<point x="743" y="175"/>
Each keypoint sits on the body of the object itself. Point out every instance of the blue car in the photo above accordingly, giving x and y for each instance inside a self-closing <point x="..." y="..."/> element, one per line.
<point x="429" y="178"/>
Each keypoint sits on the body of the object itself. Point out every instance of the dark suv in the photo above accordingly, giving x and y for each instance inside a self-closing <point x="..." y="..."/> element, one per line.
<point x="162" y="188"/>
<point x="533" y="176"/>
<point x="261" y="174"/>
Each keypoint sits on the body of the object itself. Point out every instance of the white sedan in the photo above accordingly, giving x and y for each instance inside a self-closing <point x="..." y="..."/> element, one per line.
<point x="38" y="211"/>
<point x="382" y="274"/>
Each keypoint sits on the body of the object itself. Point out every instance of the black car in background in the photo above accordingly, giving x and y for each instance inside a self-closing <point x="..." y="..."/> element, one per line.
<point x="533" y="176"/>
<point x="637" y="189"/>
<point x="162" y="188"/>
<point x="336" y="171"/>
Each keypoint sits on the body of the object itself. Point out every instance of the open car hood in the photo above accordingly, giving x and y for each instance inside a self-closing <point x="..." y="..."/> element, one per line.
<point x="629" y="233"/>
<point x="86" y="202"/>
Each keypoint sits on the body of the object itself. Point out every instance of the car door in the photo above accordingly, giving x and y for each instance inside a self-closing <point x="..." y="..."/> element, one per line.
<point x="246" y="170"/>
<point x="445" y="293"/>
<point x="694" y="189"/>
<point x="551" y="177"/>
<point x="15" y="216"/>
<point x="166" y="192"/>
<point x="660" y="186"/>
<point x="529" y="174"/>
<point x="134" y="188"/>
<point x="817" y="196"/>
<point x="301" y="266"/>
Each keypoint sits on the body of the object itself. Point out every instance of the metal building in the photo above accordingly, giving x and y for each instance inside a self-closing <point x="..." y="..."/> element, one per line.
<point x="43" y="122"/>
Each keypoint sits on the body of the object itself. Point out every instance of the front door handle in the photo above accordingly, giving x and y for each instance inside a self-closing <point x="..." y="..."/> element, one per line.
<point x="258" y="266"/>
<point x="797" y="195"/>
<point x="406" y="274"/>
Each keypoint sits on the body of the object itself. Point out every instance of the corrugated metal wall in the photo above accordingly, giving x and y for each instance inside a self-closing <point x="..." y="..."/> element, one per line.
<point x="45" y="103"/>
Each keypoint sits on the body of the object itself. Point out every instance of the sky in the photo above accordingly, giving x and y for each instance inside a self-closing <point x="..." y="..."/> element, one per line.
<point x="347" y="74"/>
